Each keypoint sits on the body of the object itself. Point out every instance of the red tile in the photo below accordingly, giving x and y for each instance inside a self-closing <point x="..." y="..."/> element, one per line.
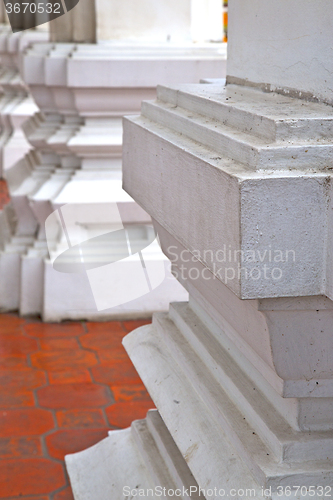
<point x="70" y="396"/>
<point x="68" y="368"/>
<point x="16" y="398"/>
<point x="59" y="344"/>
<point x="36" y="476"/>
<point x="81" y="418"/>
<point x="65" y="494"/>
<point x="102" y="340"/>
<point x="14" y="345"/>
<point x="16" y="361"/>
<point x="130" y="393"/>
<point x="26" y="378"/>
<point x="45" y="330"/>
<point x="62" y="360"/>
<point x="107" y="355"/>
<point x="132" y="325"/>
<point x="116" y="372"/>
<point x="69" y="377"/>
<point x="27" y="422"/>
<point x="110" y="327"/>
<point x="63" y="442"/>
<point x="4" y="194"/>
<point x="30" y="498"/>
<point x="21" y="447"/>
<point x="8" y="331"/>
<point x="121" y="415"/>
<point x="10" y="322"/>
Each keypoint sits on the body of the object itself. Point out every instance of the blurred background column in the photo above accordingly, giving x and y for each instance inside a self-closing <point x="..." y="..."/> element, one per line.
<point x="83" y="90"/>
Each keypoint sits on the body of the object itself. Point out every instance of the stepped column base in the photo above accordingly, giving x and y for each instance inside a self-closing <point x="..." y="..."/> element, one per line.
<point x="240" y="374"/>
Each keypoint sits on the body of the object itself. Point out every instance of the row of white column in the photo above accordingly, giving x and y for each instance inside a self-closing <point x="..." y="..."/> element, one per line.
<point x="74" y="161"/>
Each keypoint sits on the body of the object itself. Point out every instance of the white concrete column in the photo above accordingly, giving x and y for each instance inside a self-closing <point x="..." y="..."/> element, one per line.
<point x="238" y="182"/>
<point x="77" y="25"/>
<point x="299" y="65"/>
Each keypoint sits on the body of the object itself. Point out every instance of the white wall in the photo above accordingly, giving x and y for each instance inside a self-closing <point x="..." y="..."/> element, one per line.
<point x="143" y="19"/>
<point x="159" y="20"/>
<point x="286" y="43"/>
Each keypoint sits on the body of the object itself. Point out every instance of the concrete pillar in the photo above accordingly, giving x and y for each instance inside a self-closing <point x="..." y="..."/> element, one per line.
<point x="238" y="182"/>
<point x="77" y="25"/>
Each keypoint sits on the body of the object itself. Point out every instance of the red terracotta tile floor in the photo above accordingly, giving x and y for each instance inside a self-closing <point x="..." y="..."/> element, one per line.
<point x="62" y="387"/>
<point x="4" y="195"/>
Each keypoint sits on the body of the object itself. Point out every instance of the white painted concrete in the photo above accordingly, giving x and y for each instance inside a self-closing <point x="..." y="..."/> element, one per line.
<point x="282" y="45"/>
<point x="266" y="183"/>
<point x="144" y="459"/>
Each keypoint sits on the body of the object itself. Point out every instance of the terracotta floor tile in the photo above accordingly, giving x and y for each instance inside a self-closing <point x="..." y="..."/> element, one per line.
<point x="62" y="360"/>
<point x="45" y="330"/>
<point x="70" y="396"/>
<point x="26" y="378"/>
<point x="69" y="377"/>
<point x="10" y="321"/>
<point x="31" y="498"/>
<point x="100" y="340"/>
<point x="16" y="398"/>
<point x="62" y="442"/>
<point x="117" y="372"/>
<point x="21" y="447"/>
<point x="8" y="331"/>
<point x="4" y="194"/>
<point x="36" y="476"/>
<point x="81" y="418"/>
<point x="16" y="345"/>
<point x="74" y="373"/>
<point x="132" y="325"/>
<point x="65" y="494"/>
<point x="136" y="392"/>
<point x="59" y="344"/>
<point x="16" y="361"/>
<point x="122" y="414"/>
<point x="110" y="355"/>
<point x="111" y="327"/>
<point x="27" y="422"/>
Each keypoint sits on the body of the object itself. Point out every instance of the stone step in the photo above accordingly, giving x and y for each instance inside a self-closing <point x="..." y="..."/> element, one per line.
<point x="271" y="116"/>
<point x="283" y="441"/>
<point x="157" y="463"/>
<point x="164" y="462"/>
<point x="192" y="404"/>
<point x="117" y="463"/>
<point x="255" y="152"/>
<point x="174" y="461"/>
